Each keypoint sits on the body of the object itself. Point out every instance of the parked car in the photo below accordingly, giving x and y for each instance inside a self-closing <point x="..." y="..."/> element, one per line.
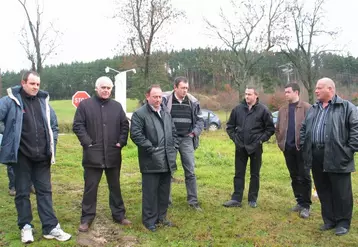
<point x="211" y="120"/>
<point x="274" y="117"/>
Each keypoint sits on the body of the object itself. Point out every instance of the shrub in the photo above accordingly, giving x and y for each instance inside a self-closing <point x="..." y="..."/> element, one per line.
<point x="65" y="127"/>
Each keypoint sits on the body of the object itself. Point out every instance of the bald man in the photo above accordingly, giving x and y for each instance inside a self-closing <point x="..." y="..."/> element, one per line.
<point x="329" y="138"/>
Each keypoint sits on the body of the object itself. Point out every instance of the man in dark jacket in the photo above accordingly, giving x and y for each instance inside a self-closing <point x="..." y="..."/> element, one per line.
<point x="28" y="145"/>
<point x="250" y="124"/>
<point x="289" y="122"/>
<point x="185" y="111"/>
<point x="329" y="138"/>
<point x="102" y="128"/>
<point x="153" y="131"/>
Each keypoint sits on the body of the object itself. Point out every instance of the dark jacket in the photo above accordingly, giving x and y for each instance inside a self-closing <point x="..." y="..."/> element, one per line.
<point x="156" y="140"/>
<point x="197" y="120"/>
<point x="282" y="123"/>
<point x="249" y="129"/>
<point x="341" y="136"/>
<point x="11" y="113"/>
<point x="99" y="125"/>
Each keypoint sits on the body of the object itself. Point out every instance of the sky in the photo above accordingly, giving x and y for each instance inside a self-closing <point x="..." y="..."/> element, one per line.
<point x="89" y="32"/>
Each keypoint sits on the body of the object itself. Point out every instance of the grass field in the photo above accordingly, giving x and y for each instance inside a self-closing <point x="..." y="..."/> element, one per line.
<point x="271" y="224"/>
<point x="65" y="111"/>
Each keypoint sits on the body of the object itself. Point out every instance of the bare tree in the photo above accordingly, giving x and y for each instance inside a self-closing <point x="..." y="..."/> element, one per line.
<point x="39" y="43"/>
<point x="144" y="19"/>
<point x="307" y="25"/>
<point x="251" y="31"/>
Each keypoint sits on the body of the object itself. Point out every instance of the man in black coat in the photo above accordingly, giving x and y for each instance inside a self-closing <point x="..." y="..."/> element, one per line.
<point x="102" y="128"/>
<point x="153" y="131"/>
<point x="328" y="139"/>
<point x="250" y="124"/>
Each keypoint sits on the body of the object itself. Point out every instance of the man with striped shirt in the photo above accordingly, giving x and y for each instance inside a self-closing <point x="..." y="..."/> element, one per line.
<point x="185" y="111"/>
<point x="329" y="138"/>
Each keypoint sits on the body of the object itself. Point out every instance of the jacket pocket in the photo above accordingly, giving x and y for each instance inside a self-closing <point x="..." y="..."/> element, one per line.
<point x="113" y="156"/>
<point x="158" y="159"/>
<point x="348" y="154"/>
<point x="93" y="155"/>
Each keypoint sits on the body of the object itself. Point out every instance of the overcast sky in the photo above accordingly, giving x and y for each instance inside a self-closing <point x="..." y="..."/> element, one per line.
<point x="89" y="32"/>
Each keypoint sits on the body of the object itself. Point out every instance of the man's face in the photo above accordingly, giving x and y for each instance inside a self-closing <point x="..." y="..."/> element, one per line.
<point x="290" y="94"/>
<point x="322" y="91"/>
<point x="104" y="90"/>
<point x="32" y="85"/>
<point x="181" y="90"/>
<point x="154" y="98"/>
<point x="250" y="96"/>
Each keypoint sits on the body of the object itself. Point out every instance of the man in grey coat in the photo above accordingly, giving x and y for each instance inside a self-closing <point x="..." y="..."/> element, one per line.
<point x="153" y="131"/>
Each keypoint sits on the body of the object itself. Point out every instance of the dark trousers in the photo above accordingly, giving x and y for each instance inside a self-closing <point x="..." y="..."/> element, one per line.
<point x="27" y="170"/>
<point x="241" y="157"/>
<point x="92" y="177"/>
<point x="11" y="176"/>
<point x="300" y="177"/>
<point x="155" y="197"/>
<point x="334" y="191"/>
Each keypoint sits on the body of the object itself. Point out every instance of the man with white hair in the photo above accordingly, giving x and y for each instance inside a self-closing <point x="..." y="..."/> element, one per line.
<point x="101" y="126"/>
<point x="328" y="139"/>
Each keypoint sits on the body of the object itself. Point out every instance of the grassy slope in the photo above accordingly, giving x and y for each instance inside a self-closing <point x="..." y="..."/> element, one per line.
<point x="271" y="224"/>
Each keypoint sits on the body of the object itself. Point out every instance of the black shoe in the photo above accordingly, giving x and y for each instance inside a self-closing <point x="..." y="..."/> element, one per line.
<point x="195" y="206"/>
<point x="152" y="228"/>
<point x="232" y="203"/>
<point x="340" y="230"/>
<point x="253" y="204"/>
<point x="326" y="227"/>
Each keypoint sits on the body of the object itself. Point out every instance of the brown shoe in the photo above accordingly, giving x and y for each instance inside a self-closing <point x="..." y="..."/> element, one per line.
<point x="84" y="227"/>
<point x="125" y="222"/>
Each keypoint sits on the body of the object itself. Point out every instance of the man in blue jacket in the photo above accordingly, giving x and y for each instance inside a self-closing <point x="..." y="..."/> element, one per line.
<point x="28" y="144"/>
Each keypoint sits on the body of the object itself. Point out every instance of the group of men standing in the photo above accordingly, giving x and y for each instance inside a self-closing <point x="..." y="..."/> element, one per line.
<point x="322" y="137"/>
<point x="100" y="123"/>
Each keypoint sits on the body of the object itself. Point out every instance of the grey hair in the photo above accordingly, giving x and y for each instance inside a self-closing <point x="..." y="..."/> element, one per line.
<point x="103" y="79"/>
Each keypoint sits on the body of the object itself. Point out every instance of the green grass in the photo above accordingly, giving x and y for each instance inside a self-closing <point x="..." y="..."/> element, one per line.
<point x="271" y="224"/>
<point x="65" y="111"/>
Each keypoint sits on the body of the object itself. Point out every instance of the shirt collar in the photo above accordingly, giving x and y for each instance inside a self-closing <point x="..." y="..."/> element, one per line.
<point x="331" y="101"/>
<point x="155" y="109"/>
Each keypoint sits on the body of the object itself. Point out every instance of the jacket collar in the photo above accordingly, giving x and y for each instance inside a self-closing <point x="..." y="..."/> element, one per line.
<point x="299" y="104"/>
<point x="335" y="100"/>
<point x="246" y="105"/>
<point x="170" y="94"/>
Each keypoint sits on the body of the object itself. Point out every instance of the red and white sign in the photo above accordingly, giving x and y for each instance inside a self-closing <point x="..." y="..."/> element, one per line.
<point x="78" y="97"/>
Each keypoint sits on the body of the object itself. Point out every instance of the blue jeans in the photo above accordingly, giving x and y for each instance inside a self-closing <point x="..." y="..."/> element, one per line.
<point x="11" y="176"/>
<point x="27" y="170"/>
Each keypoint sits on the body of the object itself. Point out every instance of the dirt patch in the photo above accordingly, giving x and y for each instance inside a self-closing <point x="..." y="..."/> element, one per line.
<point x="103" y="233"/>
<point x="177" y="180"/>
